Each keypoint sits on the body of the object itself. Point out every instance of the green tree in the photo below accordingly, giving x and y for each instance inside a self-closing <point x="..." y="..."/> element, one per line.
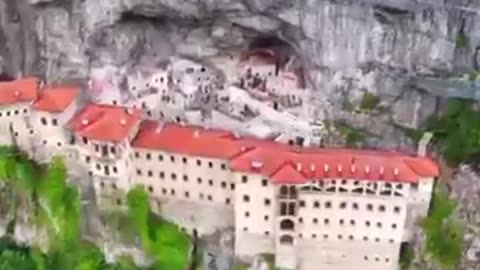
<point x="444" y="232"/>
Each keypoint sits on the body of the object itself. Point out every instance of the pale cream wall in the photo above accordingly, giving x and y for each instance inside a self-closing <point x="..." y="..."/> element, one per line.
<point x="255" y="215"/>
<point x="49" y="132"/>
<point x="16" y="115"/>
<point x="185" y="182"/>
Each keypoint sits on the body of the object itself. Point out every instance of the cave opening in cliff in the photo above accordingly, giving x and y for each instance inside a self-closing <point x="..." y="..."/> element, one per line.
<point x="136" y="17"/>
<point x="282" y="49"/>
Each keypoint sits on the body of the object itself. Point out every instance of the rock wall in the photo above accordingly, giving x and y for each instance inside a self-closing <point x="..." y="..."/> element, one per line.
<point x="348" y="47"/>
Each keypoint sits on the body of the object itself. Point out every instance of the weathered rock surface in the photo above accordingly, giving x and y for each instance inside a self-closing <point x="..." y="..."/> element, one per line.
<point x="465" y="188"/>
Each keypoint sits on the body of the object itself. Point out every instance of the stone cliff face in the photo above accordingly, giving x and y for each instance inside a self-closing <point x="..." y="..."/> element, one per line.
<point x="347" y="47"/>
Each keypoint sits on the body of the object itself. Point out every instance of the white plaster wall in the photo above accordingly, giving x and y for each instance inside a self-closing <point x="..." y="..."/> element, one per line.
<point x="254" y="219"/>
<point x="16" y="115"/>
<point x="341" y="255"/>
<point x="181" y="182"/>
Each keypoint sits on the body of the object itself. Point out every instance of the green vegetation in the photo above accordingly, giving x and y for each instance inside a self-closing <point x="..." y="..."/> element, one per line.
<point x="353" y="137"/>
<point x="240" y="266"/>
<point x="462" y="41"/>
<point x="40" y="196"/>
<point x="270" y="259"/>
<point x="369" y="102"/>
<point x="457" y="132"/>
<point x="406" y="257"/>
<point x="162" y="240"/>
<point x="444" y="232"/>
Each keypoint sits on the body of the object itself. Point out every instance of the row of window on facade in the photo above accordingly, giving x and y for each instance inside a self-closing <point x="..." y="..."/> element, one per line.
<point x="185" y="178"/>
<point x="354" y="206"/>
<point x="148" y="156"/>
<point x="44" y="121"/>
<point x="12" y="113"/>
<point x="342" y="222"/>
<point x="327" y="237"/>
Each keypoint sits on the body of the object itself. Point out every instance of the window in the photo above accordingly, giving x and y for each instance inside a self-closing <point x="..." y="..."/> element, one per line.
<point x="199" y="180"/>
<point x="148" y="156"/>
<point x="267" y="202"/>
<point x="174" y="176"/>
<point x="43" y="120"/>
<point x="326" y="221"/>
<point x="160" y="158"/>
<point x="184" y="160"/>
<point x="265" y="218"/>
<point x="341" y="222"/>
<point x="302" y="203"/>
<point x="352" y="222"/>
<point x="328" y="205"/>
<point x="187" y="194"/>
<point x="377" y="239"/>
<point x="139" y="172"/>
<point x="223" y="166"/>
<point x="315" y="221"/>
<point x="102" y="184"/>
<point x="245" y="229"/>
<point x="161" y="175"/>
<point x="339" y="237"/>
<point x="172" y="191"/>
<point x="150" y="174"/>
<point x="172" y="158"/>
<point x="264" y="182"/>
<point x="85" y="140"/>
<point x="164" y="191"/>
<point x="97" y="148"/>
<point x="396" y="209"/>
<point x="246" y="198"/>
<point x="119" y="202"/>
<point x="355" y="206"/>
<point x="367" y="223"/>
<point x="210" y="182"/>
<point x="369" y="207"/>
<point x="287" y="224"/>
<point x="350" y="237"/>
<point x="115" y="170"/>
<point x="150" y="189"/>
<point x="54" y="122"/>
<point x="227" y="201"/>
<point x="210" y="164"/>
<point x="365" y="238"/>
<point x="209" y="197"/>
<point x="199" y="162"/>
<point x="232" y="186"/>
<point x="343" y="205"/>
<point x="185" y="177"/>
<point x="267" y="233"/>
<point x="244" y="179"/>
<point x="247" y="214"/>
<point x="381" y="208"/>
<point x="137" y="155"/>
<point x="394" y="226"/>
<point x="316" y="204"/>
<point x="379" y="225"/>
<point x="223" y="184"/>
<point x="200" y="195"/>
<point x="112" y="149"/>
<point x="87" y="159"/>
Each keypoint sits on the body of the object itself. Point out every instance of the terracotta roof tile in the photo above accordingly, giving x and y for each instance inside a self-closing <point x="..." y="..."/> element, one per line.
<point x="105" y="122"/>
<point x="185" y="140"/>
<point x="21" y="90"/>
<point x="270" y="158"/>
<point x="55" y="99"/>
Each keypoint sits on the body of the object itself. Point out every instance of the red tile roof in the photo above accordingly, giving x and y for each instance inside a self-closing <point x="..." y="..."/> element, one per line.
<point x="185" y="140"/>
<point x="21" y="90"/>
<point x="105" y="122"/>
<point x="55" y="99"/>
<point x="284" y="163"/>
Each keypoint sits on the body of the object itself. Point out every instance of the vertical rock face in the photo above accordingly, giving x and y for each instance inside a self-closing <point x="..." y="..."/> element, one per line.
<point x="347" y="47"/>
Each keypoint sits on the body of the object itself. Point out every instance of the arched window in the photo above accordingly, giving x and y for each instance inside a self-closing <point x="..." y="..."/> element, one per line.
<point x="287" y="224"/>
<point x="293" y="192"/>
<point x="286" y="240"/>
<point x="291" y="209"/>
<point x="283" y="209"/>
<point x="283" y="191"/>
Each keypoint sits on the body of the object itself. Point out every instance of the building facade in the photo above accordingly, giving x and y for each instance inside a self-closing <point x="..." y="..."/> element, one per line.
<point x="313" y="208"/>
